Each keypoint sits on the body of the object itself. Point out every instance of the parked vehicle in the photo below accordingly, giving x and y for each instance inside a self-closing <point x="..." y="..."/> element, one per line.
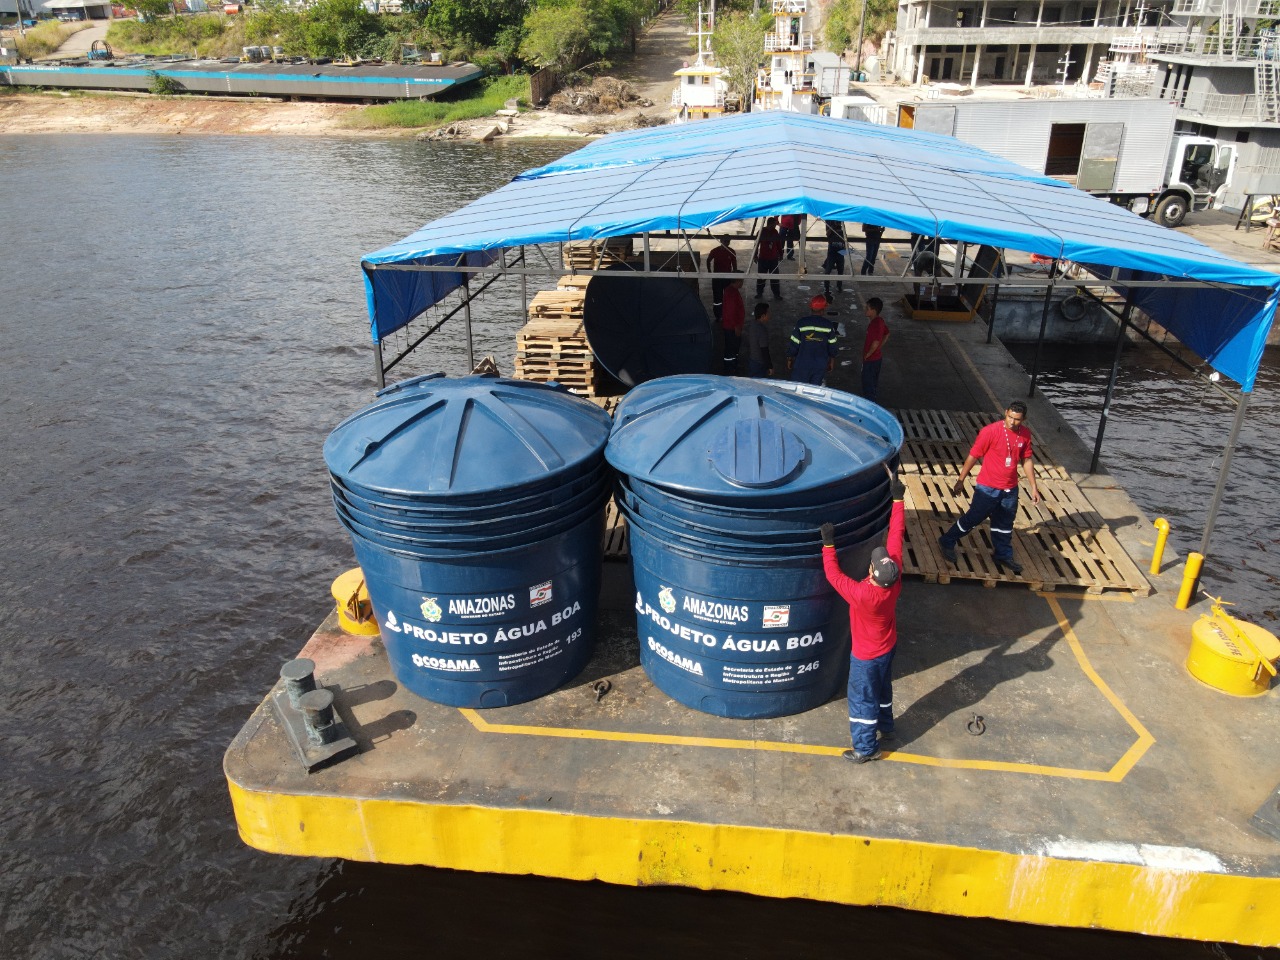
<point x="1124" y="150"/>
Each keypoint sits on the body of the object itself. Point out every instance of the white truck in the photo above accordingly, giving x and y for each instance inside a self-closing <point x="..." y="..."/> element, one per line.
<point x="1124" y="150"/>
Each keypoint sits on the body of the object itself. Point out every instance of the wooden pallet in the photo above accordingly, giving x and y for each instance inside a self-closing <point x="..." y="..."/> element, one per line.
<point x="597" y="254"/>
<point x="557" y="304"/>
<point x="573" y="282"/>
<point x="945" y="458"/>
<point x="608" y="404"/>
<point x="938" y="441"/>
<point x="617" y="541"/>
<point x="1061" y="542"/>
<point x="554" y="348"/>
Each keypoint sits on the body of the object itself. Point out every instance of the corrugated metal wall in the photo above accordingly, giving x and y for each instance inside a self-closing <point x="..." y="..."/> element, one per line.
<point x="1019" y="131"/>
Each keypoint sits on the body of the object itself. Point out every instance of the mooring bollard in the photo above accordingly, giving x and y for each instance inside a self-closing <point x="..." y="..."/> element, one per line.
<point x="317" y="714"/>
<point x="299" y="678"/>
<point x="1162" y="536"/>
<point x="1190" y="576"/>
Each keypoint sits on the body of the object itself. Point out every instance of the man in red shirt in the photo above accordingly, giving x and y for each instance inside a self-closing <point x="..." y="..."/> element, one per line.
<point x="720" y="260"/>
<point x="732" y="318"/>
<point x="1001" y="447"/>
<point x="872" y="347"/>
<point x="873" y="631"/>
<point x="768" y="255"/>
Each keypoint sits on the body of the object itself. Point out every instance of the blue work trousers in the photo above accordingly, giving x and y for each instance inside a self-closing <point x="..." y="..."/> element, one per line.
<point x="871" y="378"/>
<point x="1001" y="506"/>
<point x="870" y="700"/>
<point x="810" y="370"/>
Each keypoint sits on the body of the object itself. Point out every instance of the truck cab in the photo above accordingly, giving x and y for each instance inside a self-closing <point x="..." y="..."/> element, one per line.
<point x="1200" y="172"/>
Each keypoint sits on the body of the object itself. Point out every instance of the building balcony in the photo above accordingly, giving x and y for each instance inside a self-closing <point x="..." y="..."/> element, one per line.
<point x="789" y="6"/>
<point x="1022" y="33"/>
<point x="1249" y="9"/>
<point x="782" y="42"/>
<point x="1218" y="108"/>
<point x="1244" y="51"/>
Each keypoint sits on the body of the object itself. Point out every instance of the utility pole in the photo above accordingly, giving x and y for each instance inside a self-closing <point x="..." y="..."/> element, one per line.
<point x="857" y="57"/>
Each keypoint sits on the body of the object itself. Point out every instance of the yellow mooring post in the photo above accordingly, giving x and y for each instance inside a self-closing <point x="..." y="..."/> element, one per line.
<point x="1189" y="577"/>
<point x="1162" y="537"/>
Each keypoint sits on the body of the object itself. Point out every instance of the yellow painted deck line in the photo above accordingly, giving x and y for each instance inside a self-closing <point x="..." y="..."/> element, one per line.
<point x="1145" y="739"/>
<point x="1026" y="887"/>
<point x="1117" y="772"/>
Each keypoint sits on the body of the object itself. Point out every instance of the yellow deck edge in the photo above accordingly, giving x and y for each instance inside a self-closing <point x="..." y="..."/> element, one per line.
<point x="863" y="871"/>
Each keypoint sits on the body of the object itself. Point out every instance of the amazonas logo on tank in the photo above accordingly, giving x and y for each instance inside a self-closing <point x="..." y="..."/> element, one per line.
<point x="431" y="610"/>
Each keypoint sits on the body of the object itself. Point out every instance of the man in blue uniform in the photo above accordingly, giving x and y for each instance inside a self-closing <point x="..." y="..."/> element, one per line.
<point x="811" y="352"/>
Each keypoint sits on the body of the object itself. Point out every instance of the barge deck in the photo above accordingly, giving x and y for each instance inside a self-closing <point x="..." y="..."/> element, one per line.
<point x="1102" y="787"/>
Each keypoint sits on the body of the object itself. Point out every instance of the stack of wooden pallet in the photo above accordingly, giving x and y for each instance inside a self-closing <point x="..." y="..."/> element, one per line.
<point x="553" y="345"/>
<point x="597" y="254"/>
<point x="1061" y="541"/>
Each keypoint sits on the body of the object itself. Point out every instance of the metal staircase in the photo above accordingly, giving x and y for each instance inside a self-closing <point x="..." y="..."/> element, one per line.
<point x="1265" y="78"/>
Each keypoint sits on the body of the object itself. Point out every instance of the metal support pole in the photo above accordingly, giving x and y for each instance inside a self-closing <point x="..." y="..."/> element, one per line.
<point x="466" y="316"/>
<point x="1111" y="384"/>
<point x="995" y="303"/>
<point x="647" y="266"/>
<point x="804" y="237"/>
<point x="379" y="374"/>
<point x="1241" y="406"/>
<point x="1044" y="322"/>
<point x="524" y="288"/>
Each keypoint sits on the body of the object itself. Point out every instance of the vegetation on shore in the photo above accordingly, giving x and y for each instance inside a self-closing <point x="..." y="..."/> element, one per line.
<point x="46" y="37"/>
<point x="488" y="96"/>
<point x="845" y="16"/>
<point x="501" y="36"/>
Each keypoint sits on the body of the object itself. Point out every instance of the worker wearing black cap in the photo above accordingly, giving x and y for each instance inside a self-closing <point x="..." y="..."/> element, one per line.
<point x="873" y="629"/>
<point x="811" y="352"/>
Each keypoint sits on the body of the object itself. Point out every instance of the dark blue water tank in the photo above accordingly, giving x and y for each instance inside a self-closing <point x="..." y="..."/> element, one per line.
<point x="476" y="510"/>
<point x="724" y="482"/>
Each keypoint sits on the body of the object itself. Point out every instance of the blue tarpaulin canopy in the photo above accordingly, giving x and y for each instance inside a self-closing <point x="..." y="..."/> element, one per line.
<point x="696" y="176"/>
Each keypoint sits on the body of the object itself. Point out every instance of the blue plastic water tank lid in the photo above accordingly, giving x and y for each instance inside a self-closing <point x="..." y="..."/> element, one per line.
<point x="757" y="453"/>
<point x="665" y="433"/>
<point x="442" y="436"/>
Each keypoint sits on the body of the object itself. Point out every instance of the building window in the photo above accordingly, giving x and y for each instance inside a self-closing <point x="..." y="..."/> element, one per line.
<point x="1052" y="15"/>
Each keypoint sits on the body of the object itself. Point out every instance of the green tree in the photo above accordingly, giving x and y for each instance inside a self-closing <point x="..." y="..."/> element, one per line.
<point x="837" y="34"/>
<point x="153" y="9"/>
<point x="476" y="22"/>
<point x="738" y="44"/>
<point x="842" y="22"/>
<point x="559" y="36"/>
<point x="337" y="28"/>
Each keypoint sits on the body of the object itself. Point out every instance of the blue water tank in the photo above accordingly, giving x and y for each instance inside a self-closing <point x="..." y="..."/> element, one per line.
<point x="724" y="483"/>
<point x="476" y="510"/>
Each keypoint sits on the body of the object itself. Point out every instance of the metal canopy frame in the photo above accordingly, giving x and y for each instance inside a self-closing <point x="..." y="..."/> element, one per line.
<point x="520" y="267"/>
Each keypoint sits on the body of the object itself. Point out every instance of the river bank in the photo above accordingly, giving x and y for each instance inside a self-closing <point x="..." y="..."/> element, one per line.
<point x="43" y="113"/>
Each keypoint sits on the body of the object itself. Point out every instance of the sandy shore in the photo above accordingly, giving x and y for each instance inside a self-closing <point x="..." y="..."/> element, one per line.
<point x="106" y="113"/>
<point x="140" y="113"/>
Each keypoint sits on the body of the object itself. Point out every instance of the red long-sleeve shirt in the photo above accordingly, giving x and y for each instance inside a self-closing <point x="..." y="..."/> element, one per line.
<point x="734" y="311"/>
<point x="873" y="618"/>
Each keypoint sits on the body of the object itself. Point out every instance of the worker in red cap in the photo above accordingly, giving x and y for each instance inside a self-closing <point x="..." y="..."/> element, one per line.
<point x="811" y="353"/>
<point x="873" y="631"/>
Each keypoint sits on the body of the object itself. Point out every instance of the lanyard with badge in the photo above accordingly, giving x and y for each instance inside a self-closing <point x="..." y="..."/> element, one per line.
<point x="1008" y="447"/>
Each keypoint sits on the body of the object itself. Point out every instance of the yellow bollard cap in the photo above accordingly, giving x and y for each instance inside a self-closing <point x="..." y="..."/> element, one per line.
<point x="355" y="611"/>
<point x="1231" y="655"/>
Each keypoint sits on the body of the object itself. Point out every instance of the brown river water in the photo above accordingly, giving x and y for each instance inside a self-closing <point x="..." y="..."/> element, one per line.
<point x="181" y="323"/>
